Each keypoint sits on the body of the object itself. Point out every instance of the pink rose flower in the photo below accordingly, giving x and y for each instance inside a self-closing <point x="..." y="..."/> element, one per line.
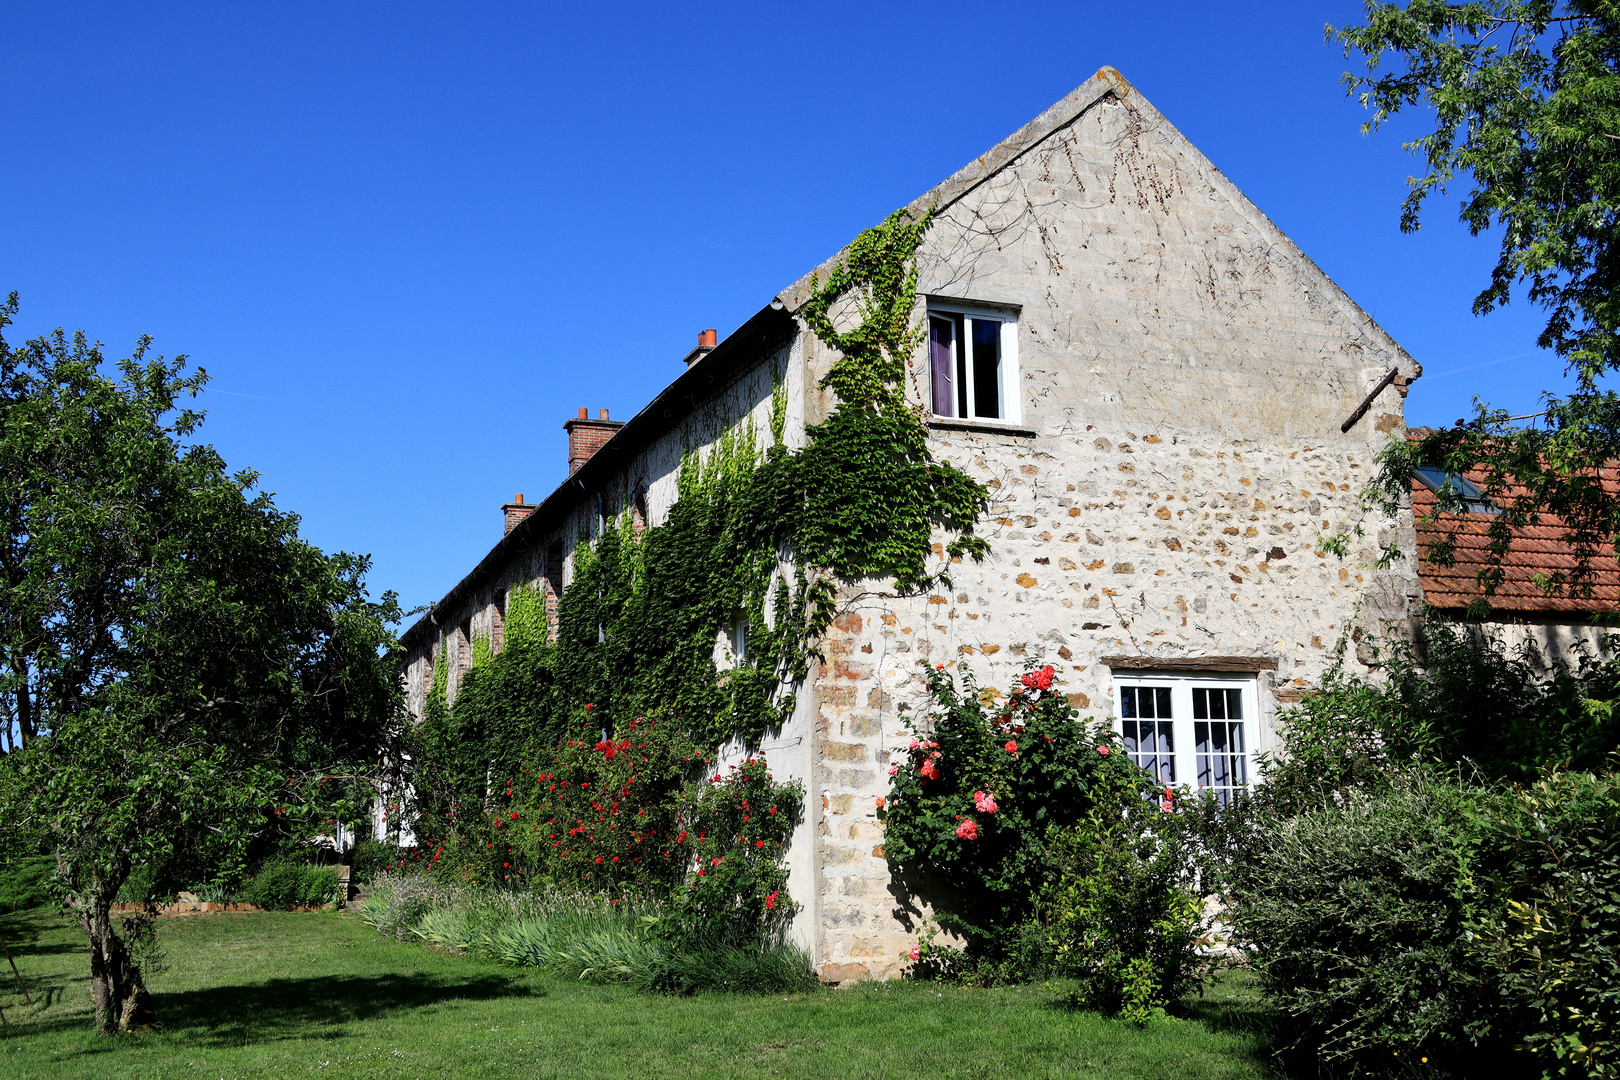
<point x="1011" y="747"/>
<point x="893" y="769"/>
<point x="915" y="742"/>
<point x="984" y="804"/>
<point x="1103" y="750"/>
<point x="967" y="830"/>
<point x="915" y="953"/>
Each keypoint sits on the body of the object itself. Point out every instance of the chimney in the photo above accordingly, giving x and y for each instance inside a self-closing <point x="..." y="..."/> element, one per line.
<point x="587" y="436"/>
<point x="515" y="512"/>
<point x="705" y="346"/>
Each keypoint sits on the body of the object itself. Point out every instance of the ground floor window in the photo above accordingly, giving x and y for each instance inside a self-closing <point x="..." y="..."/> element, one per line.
<point x="1190" y="731"/>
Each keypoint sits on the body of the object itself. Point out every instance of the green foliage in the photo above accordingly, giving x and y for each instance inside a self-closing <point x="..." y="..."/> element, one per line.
<point x="1119" y="913"/>
<point x="1550" y="864"/>
<point x="1469" y="705"/>
<point x="283" y="885"/>
<point x="583" y="936"/>
<point x="26" y="880"/>
<point x="1354" y="914"/>
<point x="938" y="822"/>
<point x="735" y="895"/>
<point x="743" y="566"/>
<point x="525" y="618"/>
<point x="370" y="857"/>
<point x="601" y="816"/>
<point x="178" y="659"/>
<point x="1525" y="96"/>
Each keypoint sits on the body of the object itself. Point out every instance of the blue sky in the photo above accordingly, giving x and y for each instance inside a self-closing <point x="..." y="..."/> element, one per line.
<point x="408" y="241"/>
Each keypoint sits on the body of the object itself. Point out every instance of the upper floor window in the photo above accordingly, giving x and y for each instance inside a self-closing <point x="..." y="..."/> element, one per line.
<point x="973" y="362"/>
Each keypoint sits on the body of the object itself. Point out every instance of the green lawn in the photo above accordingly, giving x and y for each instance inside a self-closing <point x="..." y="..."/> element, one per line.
<point x="322" y="994"/>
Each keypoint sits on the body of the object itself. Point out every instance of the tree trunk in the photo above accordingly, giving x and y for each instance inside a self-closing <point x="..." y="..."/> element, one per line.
<point x="121" y="1001"/>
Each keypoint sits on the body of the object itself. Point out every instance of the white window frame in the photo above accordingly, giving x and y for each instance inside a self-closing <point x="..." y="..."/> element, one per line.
<point x="1011" y="405"/>
<point x="1182" y="725"/>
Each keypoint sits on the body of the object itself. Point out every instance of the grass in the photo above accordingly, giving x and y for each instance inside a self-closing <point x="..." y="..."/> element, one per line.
<point x="321" y="994"/>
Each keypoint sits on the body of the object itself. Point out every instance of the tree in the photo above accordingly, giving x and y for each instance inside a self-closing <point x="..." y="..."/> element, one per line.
<point x="1526" y="100"/>
<point x="180" y="667"/>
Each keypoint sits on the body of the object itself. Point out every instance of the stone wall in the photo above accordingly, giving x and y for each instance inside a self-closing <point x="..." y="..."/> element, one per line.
<point x="1160" y="490"/>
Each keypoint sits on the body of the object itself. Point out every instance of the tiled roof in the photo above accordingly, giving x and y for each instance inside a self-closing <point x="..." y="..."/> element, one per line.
<point x="1537" y="549"/>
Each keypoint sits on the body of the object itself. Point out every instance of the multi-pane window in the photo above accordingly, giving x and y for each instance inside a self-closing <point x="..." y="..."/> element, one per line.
<point x="1190" y="730"/>
<point x="971" y="363"/>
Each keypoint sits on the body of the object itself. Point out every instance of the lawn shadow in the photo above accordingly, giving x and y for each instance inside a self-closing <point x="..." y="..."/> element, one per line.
<point x="313" y="1008"/>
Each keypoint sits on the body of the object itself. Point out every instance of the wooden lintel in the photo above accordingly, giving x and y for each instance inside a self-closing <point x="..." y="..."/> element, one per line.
<point x="1190" y="663"/>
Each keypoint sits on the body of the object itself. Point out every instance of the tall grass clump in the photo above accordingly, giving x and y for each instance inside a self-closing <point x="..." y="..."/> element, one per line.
<point x="580" y="936"/>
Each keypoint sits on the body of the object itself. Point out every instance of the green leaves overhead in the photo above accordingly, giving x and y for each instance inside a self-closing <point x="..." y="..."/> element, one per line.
<point x="1525" y="96"/>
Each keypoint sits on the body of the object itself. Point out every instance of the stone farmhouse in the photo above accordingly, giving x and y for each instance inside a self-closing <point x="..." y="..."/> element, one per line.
<point x="1171" y="406"/>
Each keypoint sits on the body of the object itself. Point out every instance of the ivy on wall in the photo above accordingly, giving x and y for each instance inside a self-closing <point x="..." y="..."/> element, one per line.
<point x="710" y="619"/>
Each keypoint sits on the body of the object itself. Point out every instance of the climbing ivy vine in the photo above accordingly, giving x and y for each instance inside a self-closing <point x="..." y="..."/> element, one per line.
<point x="711" y="618"/>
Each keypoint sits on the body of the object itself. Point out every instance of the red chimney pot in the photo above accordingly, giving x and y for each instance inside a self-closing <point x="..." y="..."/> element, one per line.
<point x="706" y="339"/>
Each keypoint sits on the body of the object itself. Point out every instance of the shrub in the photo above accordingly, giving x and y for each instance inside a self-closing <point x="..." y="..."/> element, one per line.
<point x="734" y="827"/>
<point x="601" y="815"/>
<point x="1464" y="702"/>
<point x="1063" y="857"/>
<point x="1354" y="915"/>
<point x="281" y="886"/>
<point x="372" y="857"/>
<point x="1035" y="764"/>
<point x="26" y="881"/>
<point x="1118" y="914"/>
<point x="1550" y="930"/>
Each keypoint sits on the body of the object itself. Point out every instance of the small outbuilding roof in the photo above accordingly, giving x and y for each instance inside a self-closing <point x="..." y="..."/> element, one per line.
<point x="1536" y="550"/>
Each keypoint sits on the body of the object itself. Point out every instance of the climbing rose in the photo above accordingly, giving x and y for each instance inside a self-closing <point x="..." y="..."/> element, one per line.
<point x="893" y="769"/>
<point x="1011" y="747"/>
<point x="1103" y="750"/>
<point x="915" y="742"/>
<point x="915" y="953"/>
<point x="984" y="804"/>
<point x="1039" y="680"/>
<point x="770" y="901"/>
<point x="880" y="802"/>
<point x="967" y="830"/>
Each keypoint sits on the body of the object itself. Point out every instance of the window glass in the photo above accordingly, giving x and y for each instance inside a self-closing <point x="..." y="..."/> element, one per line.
<point x="942" y="364"/>
<point x="987" y="367"/>
<point x="1218" y="741"/>
<point x="1146" y="714"/>
<point x="1474" y="500"/>
<point x="971" y="365"/>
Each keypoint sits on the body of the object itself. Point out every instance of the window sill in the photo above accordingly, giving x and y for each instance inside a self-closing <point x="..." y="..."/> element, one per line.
<point x="986" y="427"/>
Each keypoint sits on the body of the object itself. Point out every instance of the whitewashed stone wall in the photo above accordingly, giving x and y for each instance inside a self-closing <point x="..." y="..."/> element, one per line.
<point x="1177" y="457"/>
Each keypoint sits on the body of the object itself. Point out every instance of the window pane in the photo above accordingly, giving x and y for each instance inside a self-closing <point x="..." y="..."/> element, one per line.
<point x="941" y="342"/>
<point x="987" y="367"/>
